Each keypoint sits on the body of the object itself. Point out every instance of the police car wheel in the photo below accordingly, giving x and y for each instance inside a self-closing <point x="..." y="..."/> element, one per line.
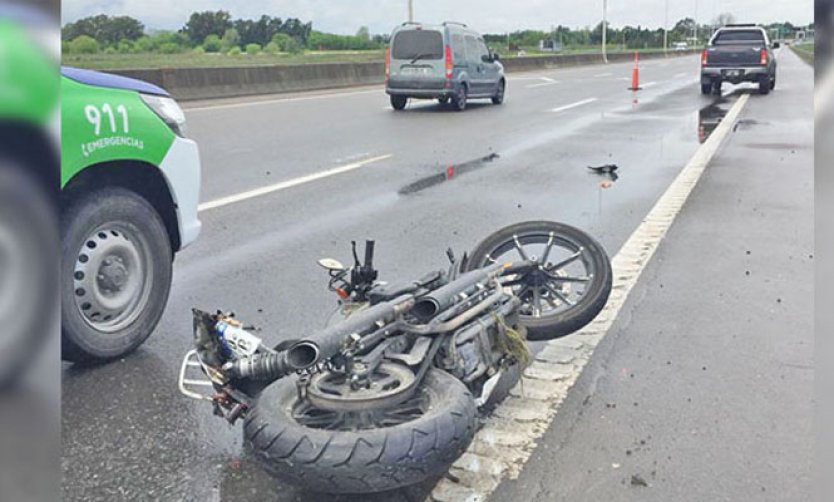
<point x="116" y="274"/>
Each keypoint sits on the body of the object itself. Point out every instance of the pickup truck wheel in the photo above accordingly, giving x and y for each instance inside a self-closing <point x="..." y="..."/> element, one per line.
<point x="116" y="274"/>
<point x="706" y="89"/>
<point x="398" y="102"/>
<point x="764" y="84"/>
<point x="716" y="87"/>
<point x="773" y="83"/>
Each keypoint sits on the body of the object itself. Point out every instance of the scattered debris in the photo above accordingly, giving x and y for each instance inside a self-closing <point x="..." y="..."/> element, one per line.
<point x="609" y="170"/>
<point x="636" y="480"/>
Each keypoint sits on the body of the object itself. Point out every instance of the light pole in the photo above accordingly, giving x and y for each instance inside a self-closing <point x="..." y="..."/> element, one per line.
<point x="666" y="28"/>
<point x="604" y="31"/>
<point x="410" y="11"/>
<point x="696" y="24"/>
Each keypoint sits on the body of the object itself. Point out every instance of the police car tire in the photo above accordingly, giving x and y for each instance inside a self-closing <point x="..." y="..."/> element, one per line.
<point x="80" y="342"/>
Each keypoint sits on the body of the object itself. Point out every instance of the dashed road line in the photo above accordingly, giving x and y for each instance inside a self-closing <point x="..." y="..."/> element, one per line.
<point x="547" y="81"/>
<point x="603" y="75"/>
<point x="509" y="436"/>
<point x="649" y="84"/>
<point x="259" y="192"/>
<point x="573" y="105"/>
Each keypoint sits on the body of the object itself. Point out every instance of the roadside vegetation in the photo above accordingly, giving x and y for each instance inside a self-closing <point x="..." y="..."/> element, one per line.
<point x="805" y="51"/>
<point x="214" y="39"/>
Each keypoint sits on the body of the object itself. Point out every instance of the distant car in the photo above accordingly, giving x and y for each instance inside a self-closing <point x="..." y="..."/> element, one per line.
<point x="739" y="53"/>
<point x="680" y="46"/>
<point x="447" y="62"/>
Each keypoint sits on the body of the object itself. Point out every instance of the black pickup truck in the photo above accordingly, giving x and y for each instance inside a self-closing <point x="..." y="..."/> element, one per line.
<point x="739" y="53"/>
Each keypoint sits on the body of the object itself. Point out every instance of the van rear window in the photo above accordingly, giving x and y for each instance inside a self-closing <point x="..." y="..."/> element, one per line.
<point x="418" y="44"/>
<point x="739" y="37"/>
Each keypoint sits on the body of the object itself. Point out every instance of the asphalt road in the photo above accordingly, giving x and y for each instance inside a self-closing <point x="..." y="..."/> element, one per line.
<point x="129" y="435"/>
<point x="704" y="388"/>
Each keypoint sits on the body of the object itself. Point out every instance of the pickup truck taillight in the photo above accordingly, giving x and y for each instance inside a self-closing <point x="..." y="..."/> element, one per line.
<point x="704" y="56"/>
<point x="387" y="64"/>
<point x="763" y="57"/>
<point x="449" y="63"/>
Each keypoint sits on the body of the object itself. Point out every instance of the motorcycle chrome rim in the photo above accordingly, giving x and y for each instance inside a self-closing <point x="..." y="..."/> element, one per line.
<point x="563" y="273"/>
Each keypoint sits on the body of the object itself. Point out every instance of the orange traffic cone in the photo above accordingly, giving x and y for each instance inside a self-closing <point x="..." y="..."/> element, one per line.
<point x="635" y="73"/>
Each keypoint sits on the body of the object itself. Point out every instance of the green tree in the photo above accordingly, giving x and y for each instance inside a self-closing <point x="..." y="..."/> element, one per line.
<point x="83" y="44"/>
<point x="235" y="51"/>
<point x="202" y="24"/>
<point x="272" y="48"/>
<point x="212" y="43"/>
<point x="126" y="47"/>
<point x="253" y="49"/>
<point x="105" y="29"/>
<point x="363" y="33"/>
<point x="145" y="44"/>
<point x="231" y="38"/>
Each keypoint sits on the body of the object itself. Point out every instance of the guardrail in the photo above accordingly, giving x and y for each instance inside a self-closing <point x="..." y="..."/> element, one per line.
<point x="224" y="82"/>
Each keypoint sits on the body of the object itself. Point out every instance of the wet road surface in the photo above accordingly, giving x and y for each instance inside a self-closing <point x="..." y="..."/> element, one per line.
<point x="127" y="432"/>
<point x="703" y="390"/>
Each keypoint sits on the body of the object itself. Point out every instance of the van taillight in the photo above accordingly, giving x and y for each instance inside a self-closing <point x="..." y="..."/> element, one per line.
<point x="763" y="57"/>
<point x="449" y="63"/>
<point x="704" y="57"/>
<point x="387" y="63"/>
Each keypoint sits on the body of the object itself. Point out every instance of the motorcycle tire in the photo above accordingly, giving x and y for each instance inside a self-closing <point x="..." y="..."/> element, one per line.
<point x="593" y="299"/>
<point x="367" y="460"/>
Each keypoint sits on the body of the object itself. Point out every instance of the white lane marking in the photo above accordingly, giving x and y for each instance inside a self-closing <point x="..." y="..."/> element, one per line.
<point x="277" y="101"/>
<point x="509" y="436"/>
<point x="680" y="75"/>
<point x="542" y="84"/>
<point x="573" y="105"/>
<point x="258" y="192"/>
<point x="649" y="84"/>
<point x="603" y="75"/>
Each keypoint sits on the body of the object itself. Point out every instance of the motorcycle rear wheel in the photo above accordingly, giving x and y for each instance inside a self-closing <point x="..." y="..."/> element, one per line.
<point x="316" y="454"/>
<point x="573" y="282"/>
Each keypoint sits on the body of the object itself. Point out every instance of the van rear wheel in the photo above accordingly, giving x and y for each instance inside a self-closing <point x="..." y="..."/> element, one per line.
<point x="460" y="98"/>
<point x="398" y="102"/>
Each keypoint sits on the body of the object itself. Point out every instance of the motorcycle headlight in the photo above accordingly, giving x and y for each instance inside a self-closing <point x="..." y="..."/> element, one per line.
<point x="168" y="110"/>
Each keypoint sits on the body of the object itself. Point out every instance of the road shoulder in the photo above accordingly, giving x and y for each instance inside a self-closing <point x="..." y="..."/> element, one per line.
<point x="703" y="388"/>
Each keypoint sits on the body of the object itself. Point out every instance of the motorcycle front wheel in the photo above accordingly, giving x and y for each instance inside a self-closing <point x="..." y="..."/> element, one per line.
<point x="364" y="451"/>
<point x="569" y="285"/>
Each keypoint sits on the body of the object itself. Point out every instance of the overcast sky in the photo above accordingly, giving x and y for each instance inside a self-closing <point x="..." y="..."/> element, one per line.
<point x="486" y="16"/>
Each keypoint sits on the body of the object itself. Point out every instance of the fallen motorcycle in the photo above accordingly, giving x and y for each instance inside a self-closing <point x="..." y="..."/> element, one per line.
<point x="391" y="394"/>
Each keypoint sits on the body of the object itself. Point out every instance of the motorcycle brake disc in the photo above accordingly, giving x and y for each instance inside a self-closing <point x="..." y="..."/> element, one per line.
<point x="390" y="384"/>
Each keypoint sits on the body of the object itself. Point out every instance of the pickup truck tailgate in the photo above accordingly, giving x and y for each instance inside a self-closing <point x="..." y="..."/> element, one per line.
<point x="734" y="55"/>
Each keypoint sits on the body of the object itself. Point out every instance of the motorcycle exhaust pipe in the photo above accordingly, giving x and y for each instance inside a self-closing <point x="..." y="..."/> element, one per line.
<point x="326" y="344"/>
<point x="268" y="368"/>
<point x="428" y="306"/>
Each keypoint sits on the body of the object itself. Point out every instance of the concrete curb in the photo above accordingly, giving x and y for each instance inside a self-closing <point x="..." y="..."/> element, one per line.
<point x="187" y="84"/>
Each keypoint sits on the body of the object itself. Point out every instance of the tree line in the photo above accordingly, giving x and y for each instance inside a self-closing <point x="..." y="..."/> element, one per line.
<point x="628" y="37"/>
<point x="208" y="31"/>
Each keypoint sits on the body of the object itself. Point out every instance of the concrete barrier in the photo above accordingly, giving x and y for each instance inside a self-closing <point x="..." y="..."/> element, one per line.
<point x="225" y="82"/>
